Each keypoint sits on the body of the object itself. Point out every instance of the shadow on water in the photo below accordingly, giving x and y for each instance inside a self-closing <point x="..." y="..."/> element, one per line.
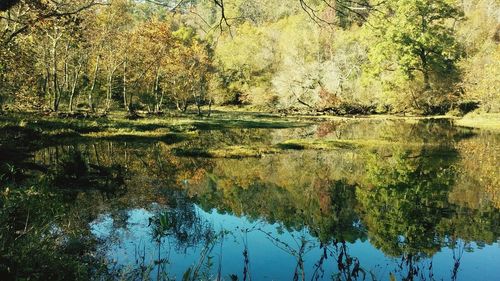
<point x="72" y="174"/>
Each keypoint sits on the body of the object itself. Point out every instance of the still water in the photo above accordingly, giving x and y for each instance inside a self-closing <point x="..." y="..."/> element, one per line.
<point x="404" y="201"/>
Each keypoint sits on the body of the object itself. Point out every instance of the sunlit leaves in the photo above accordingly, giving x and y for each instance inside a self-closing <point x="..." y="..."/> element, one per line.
<point x="416" y="41"/>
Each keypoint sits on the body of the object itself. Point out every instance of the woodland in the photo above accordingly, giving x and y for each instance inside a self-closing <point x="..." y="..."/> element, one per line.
<point x="309" y="56"/>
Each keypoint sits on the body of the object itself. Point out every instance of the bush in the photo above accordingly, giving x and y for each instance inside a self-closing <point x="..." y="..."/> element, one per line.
<point x="345" y="108"/>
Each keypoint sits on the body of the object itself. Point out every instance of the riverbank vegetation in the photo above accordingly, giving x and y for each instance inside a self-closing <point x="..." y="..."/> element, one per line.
<point x="330" y="57"/>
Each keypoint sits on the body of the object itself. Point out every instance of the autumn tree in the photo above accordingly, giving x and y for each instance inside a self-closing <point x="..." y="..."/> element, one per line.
<point x="149" y="57"/>
<point x="191" y="69"/>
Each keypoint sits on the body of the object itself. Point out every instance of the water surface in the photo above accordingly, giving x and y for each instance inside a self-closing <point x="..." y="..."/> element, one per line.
<point x="416" y="201"/>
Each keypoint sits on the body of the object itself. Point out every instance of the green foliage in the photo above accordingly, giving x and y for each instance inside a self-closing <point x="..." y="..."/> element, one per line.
<point x="480" y="33"/>
<point x="416" y="52"/>
<point x="406" y="203"/>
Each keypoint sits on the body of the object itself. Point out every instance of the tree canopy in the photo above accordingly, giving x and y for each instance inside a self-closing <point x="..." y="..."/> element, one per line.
<point x="339" y="57"/>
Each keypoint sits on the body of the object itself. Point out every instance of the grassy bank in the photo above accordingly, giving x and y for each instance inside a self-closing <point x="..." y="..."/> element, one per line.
<point x="485" y="121"/>
<point x="117" y="124"/>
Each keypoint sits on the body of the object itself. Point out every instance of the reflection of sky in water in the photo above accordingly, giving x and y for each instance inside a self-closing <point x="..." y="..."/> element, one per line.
<point x="268" y="259"/>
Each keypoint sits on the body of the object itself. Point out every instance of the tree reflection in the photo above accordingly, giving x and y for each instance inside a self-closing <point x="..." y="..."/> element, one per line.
<point x="181" y="221"/>
<point x="73" y="174"/>
<point x="406" y="200"/>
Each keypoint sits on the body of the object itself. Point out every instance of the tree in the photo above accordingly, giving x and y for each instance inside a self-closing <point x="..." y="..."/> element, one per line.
<point x="258" y="10"/>
<point x="480" y="34"/>
<point x="63" y="61"/>
<point x="27" y="29"/>
<point x="148" y="58"/>
<point x="190" y="69"/>
<point x="416" y="43"/>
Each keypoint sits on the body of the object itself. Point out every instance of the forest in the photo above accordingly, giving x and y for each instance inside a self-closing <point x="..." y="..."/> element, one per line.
<point x="308" y="56"/>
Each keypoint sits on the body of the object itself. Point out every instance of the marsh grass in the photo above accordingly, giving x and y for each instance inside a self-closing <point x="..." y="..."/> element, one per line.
<point x="37" y="131"/>
<point x="224" y="124"/>
<point x="141" y="136"/>
<point x="244" y="151"/>
<point x="118" y="125"/>
<point x="349" y="144"/>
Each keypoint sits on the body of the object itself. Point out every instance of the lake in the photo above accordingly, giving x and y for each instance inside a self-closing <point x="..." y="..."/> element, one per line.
<point x="353" y="199"/>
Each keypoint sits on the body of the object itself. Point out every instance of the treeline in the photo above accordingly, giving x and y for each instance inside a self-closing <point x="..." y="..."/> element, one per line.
<point x="341" y="57"/>
<point x="118" y="55"/>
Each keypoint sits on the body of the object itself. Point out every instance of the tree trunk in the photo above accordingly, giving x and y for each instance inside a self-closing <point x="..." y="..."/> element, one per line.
<point x="110" y="88"/>
<point x="198" y="97"/>
<point x="73" y="87"/>
<point x="209" y="107"/>
<point x="125" y="103"/>
<point x="55" y="86"/>
<point x="47" y="80"/>
<point x="65" y="84"/>
<point x="160" y="105"/>
<point x="199" y="109"/>
<point x="425" y="69"/>
<point x="92" y="88"/>
<point x="110" y="91"/>
<point x="156" y="88"/>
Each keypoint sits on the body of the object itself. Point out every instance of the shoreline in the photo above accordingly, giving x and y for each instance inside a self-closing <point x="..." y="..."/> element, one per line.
<point x="223" y="117"/>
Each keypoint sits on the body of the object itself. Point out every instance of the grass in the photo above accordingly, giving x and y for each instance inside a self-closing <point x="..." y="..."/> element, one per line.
<point x="226" y="152"/>
<point x="316" y="144"/>
<point x="487" y="121"/>
<point x="293" y="144"/>
<point x="167" y="137"/>
<point x="247" y="124"/>
<point x="350" y="144"/>
<point x="409" y="118"/>
<point x="39" y="131"/>
<point x="37" y="128"/>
